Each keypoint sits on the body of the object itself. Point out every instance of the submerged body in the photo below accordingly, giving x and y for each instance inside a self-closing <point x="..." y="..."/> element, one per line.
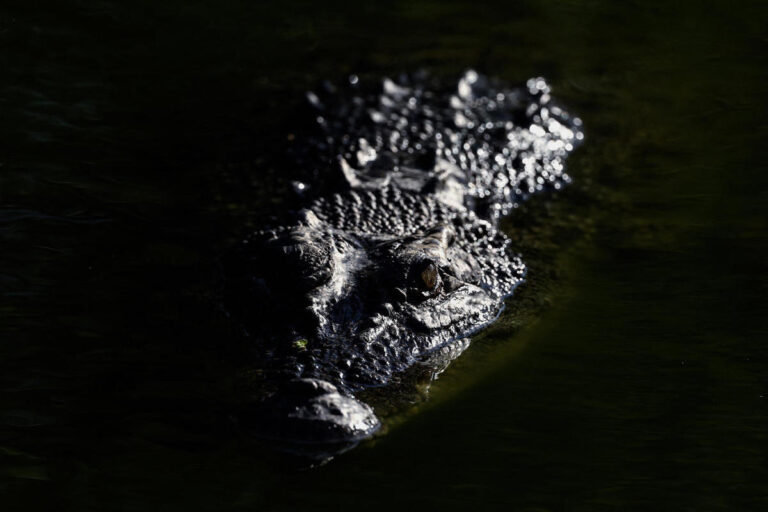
<point x="406" y="259"/>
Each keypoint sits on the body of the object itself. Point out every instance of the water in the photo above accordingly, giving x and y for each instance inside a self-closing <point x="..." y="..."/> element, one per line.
<point x="138" y="143"/>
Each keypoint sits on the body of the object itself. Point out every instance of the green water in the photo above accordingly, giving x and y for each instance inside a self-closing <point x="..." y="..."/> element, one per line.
<point x="137" y="141"/>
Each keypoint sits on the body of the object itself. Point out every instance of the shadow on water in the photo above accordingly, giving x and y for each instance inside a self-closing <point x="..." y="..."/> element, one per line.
<point x="138" y="142"/>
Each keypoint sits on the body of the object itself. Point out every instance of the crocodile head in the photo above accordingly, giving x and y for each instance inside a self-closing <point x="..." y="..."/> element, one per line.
<point x="367" y="283"/>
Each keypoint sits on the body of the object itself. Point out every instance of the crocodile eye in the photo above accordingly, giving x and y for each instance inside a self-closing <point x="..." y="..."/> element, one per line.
<point x="429" y="277"/>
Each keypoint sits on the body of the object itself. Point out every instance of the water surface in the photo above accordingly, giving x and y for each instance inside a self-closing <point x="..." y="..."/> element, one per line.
<point x="138" y="141"/>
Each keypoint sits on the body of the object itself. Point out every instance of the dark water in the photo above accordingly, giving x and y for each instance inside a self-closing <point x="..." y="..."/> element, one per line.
<point x="138" y="141"/>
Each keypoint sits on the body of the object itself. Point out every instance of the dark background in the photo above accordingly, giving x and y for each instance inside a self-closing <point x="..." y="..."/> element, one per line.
<point x="139" y="140"/>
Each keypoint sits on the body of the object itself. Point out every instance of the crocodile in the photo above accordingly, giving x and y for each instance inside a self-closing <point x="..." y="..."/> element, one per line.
<point x="402" y="259"/>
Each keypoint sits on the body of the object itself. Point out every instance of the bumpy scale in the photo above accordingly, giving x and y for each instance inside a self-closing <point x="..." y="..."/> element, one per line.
<point x="366" y="282"/>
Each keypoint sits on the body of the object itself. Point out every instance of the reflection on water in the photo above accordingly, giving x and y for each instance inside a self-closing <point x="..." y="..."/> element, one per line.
<point x="138" y="141"/>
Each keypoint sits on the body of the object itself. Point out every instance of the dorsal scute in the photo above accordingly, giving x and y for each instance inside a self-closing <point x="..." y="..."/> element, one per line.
<point x="501" y="144"/>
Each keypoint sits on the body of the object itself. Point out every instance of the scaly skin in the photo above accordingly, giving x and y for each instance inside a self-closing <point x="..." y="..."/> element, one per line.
<point x="364" y="283"/>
